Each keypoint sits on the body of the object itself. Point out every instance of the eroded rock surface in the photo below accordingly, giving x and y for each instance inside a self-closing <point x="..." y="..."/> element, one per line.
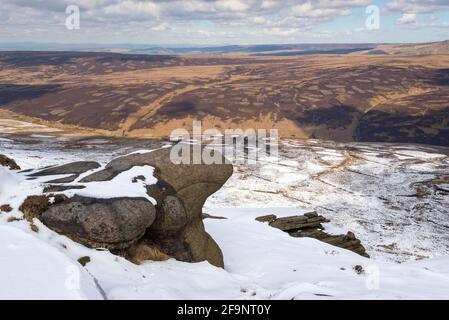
<point x="310" y="226"/>
<point x="135" y="227"/>
<point x="181" y="192"/>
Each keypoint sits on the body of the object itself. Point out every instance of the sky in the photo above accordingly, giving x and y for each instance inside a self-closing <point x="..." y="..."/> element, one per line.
<point x="223" y="22"/>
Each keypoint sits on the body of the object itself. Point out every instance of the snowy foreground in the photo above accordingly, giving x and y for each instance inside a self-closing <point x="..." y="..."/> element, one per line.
<point x="260" y="262"/>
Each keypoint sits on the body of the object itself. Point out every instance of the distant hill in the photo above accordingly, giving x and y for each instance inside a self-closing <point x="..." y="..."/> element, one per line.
<point x="186" y="49"/>
<point x="309" y="52"/>
<point x="370" y="98"/>
<point x="412" y="49"/>
<point x="271" y="49"/>
<point x="441" y="47"/>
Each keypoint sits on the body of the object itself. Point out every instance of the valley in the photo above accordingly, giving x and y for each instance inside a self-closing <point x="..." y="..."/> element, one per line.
<point x="348" y="97"/>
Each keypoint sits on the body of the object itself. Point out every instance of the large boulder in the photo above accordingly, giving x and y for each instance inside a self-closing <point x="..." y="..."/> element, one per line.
<point x="172" y="227"/>
<point x="108" y="223"/>
<point x="180" y="193"/>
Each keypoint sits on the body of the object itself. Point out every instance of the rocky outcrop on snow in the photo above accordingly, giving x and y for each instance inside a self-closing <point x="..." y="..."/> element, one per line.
<point x="299" y="223"/>
<point x="180" y="193"/>
<point x="8" y="163"/>
<point x="310" y="226"/>
<point x="142" y="206"/>
<point x="5" y="208"/>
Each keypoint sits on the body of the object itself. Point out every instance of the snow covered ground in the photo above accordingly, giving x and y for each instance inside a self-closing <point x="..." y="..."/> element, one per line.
<point x="370" y="189"/>
<point x="385" y="193"/>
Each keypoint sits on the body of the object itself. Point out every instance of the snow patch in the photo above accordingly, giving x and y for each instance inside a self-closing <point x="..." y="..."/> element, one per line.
<point x="121" y="186"/>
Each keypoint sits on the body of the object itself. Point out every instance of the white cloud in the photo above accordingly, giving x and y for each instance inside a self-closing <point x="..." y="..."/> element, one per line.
<point x="198" y="9"/>
<point x="281" y="32"/>
<point x="326" y="9"/>
<point x="132" y="8"/>
<point x="160" y="27"/>
<point x="418" y="6"/>
<point x="232" y="5"/>
<point x="268" y="4"/>
<point x="407" y="18"/>
<point x="280" y="19"/>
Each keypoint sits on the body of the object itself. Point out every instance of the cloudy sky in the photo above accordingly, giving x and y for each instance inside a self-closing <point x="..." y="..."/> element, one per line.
<point x="213" y="22"/>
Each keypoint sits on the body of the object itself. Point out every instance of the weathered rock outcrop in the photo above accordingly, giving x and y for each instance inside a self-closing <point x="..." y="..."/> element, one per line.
<point x="310" y="226"/>
<point x="181" y="192"/>
<point x="134" y="227"/>
<point x="8" y="163"/>
<point x="293" y="224"/>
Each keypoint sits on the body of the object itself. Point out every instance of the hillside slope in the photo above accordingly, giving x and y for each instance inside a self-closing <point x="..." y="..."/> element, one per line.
<point x="430" y="48"/>
<point x="336" y="97"/>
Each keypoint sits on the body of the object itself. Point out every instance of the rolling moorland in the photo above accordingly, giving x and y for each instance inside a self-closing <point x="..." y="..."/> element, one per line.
<point x="360" y="217"/>
<point x="365" y="94"/>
